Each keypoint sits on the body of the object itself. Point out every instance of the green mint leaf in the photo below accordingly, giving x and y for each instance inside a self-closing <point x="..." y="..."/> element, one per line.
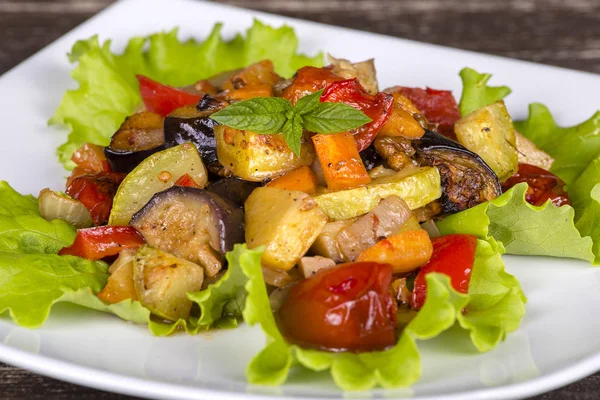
<point x="308" y="103"/>
<point x="292" y="133"/>
<point x="265" y="115"/>
<point x="334" y="118"/>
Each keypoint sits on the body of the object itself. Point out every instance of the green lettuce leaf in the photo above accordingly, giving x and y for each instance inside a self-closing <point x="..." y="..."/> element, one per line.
<point x="492" y="311"/>
<point x="476" y="93"/>
<point x="523" y="228"/>
<point x="572" y="148"/>
<point x="108" y="90"/>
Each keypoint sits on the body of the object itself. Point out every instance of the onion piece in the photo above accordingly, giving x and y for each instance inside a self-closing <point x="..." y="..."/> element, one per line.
<point x="54" y="206"/>
<point x="431" y="229"/>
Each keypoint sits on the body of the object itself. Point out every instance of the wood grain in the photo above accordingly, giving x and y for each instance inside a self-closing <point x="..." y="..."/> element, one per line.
<point x="559" y="32"/>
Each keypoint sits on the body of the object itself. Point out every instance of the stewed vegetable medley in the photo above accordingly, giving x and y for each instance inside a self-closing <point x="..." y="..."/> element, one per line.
<point x="348" y="220"/>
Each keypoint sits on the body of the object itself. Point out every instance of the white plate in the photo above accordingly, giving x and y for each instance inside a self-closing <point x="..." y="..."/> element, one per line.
<point x="558" y="342"/>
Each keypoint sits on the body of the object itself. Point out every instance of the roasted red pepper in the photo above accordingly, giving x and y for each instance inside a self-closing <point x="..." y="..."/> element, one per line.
<point x="103" y="241"/>
<point x="543" y="185"/>
<point x="348" y="307"/>
<point x="96" y="191"/>
<point x="454" y="256"/>
<point x="309" y="80"/>
<point x="163" y="99"/>
<point x="438" y="106"/>
<point x="90" y="157"/>
<point x="378" y="107"/>
<point x="186" y="180"/>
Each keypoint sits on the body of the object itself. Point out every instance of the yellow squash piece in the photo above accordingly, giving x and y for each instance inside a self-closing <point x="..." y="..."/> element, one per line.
<point x="489" y="132"/>
<point x="162" y="281"/>
<point x="285" y="222"/>
<point x="156" y="173"/>
<point x="416" y="186"/>
<point x="254" y="157"/>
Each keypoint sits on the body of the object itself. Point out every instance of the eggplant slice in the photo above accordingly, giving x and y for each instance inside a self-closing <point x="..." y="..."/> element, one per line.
<point x="466" y="179"/>
<point x="233" y="189"/>
<point x="193" y="224"/>
<point x="192" y="124"/>
<point x="140" y="136"/>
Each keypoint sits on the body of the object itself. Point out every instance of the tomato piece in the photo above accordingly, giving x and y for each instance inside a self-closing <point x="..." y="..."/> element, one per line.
<point x="309" y="80"/>
<point x="438" y="106"/>
<point x="378" y="107"/>
<point x="348" y="307"/>
<point x="454" y="256"/>
<point x="163" y="99"/>
<point x="91" y="157"/>
<point x="186" y="180"/>
<point x="96" y="191"/>
<point x="103" y="241"/>
<point x="543" y="185"/>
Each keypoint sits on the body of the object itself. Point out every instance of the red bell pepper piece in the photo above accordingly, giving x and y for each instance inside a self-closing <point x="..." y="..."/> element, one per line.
<point x="378" y="107"/>
<point x="186" y="180"/>
<point x="103" y="241"/>
<point x="543" y="185"/>
<point x="90" y="157"/>
<point x="438" y="106"/>
<point x="163" y="99"/>
<point x="454" y="256"/>
<point x="96" y="191"/>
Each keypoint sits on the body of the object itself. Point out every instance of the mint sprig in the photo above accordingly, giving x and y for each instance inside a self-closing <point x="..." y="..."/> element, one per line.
<point x="273" y="115"/>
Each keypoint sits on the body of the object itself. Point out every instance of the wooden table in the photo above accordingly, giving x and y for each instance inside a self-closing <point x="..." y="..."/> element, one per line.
<point x="559" y="32"/>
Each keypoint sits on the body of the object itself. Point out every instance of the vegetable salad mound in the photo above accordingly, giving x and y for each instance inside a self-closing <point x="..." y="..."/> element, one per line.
<point x="349" y="222"/>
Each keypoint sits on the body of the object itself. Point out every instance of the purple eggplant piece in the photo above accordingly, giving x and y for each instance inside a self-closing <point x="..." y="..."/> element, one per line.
<point x="186" y="221"/>
<point x="233" y="189"/>
<point x="466" y="179"/>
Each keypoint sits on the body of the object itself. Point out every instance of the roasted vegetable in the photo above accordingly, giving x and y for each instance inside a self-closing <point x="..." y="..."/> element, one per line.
<point x="386" y="219"/>
<point x="370" y="158"/>
<point x="542" y="186"/>
<point x="163" y="280"/>
<point x="301" y="179"/>
<point x="96" y="191"/>
<point x="233" y="189"/>
<point x="285" y="222"/>
<point x="162" y="99"/>
<point x="103" y="241"/>
<point x="340" y="162"/>
<point x="405" y="251"/>
<point x="416" y="186"/>
<point x="326" y="244"/>
<point x="191" y="223"/>
<point x="91" y="158"/>
<point x="530" y="154"/>
<point x="140" y="136"/>
<point x="311" y="265"/>
<point x="309" y="80"/>
<point x="187" y="124"/>
<point x="489" y="133"/>
<point x="364" y="71"/>
<point x="401" y="121"/>
<point x="158" y="172"/>
<point x="254" y="157"/>
<point x="52" y="206"/>
<point x="397" y="152"/>
<point x="120" y="282"/>
<point x="466" y="179"/>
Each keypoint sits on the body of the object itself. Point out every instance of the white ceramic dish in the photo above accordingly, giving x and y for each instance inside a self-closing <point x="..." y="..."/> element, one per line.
<point x="559" y="340"/>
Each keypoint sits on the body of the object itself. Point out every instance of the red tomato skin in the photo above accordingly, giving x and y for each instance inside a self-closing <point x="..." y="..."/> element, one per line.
<point x="309" y="80"/>
<point x="454" y="256"/>
<point x="345" y="308"/>
<point x="378" y="107"/>
<point x="163" y="99"/>
<point x="186" y="180"/>
<point x="438" y="106"/>
<point x="96" y="191"/>
<point x="103" y="241"/>
<point x="543" y="185"/>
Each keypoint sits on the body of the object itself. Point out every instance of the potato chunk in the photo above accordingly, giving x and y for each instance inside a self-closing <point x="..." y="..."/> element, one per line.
<point x="285" y="222"/>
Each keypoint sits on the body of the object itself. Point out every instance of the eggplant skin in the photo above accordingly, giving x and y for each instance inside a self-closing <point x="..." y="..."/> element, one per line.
<point x="186" y="221"/>
<point x="233" y="189"/>
<point x="187" y="124"/>
<point x="125" y="161"/>
<point x="466" y="179"/>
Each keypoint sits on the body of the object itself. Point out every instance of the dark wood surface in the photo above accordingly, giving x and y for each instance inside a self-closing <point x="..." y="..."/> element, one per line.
<point x="559" y="32"/>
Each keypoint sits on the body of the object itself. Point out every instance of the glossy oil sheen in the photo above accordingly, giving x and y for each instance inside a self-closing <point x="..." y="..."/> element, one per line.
<point x="554" y="346"/>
